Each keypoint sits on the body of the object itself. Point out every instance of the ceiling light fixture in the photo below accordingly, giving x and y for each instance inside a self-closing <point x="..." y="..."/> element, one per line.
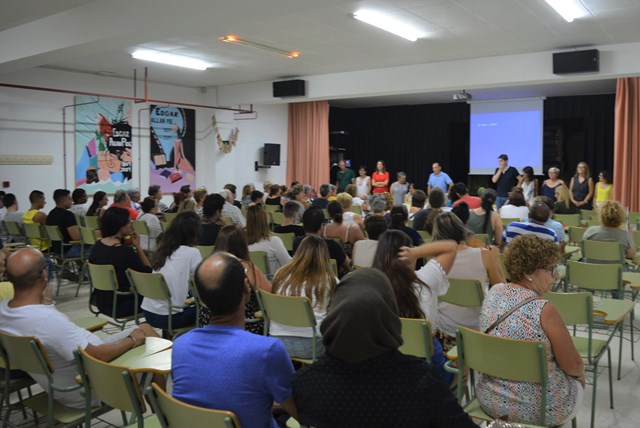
<point x="568" y="9"/>
<point x="387" y="23"/>
<point x="235" y="39"/>
<point x="170" y="59"/>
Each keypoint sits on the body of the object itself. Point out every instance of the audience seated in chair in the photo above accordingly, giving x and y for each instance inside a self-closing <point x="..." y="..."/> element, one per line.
<point x="612" y="216"/>
<point x="62" y="217"/>
<point x="365" y="249"/>
<point x="79" y="197"/>
<point x="35" y="216"/>
<point x="539" y="214"/>
<point x="31" y="313"/>
<point x="149" y="215"/>
<point x="290" y="223"/>
<point x="211" y="218"/>
<point x="363" y="380"/>
<point x="259" y="238"/>
<point x="222" y="366"/>
<point x="121" y="199"/>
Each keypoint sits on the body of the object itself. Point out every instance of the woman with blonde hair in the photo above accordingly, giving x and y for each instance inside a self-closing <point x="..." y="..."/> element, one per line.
<point x="581" y="187"/>
<point x="259" y="238"/>
<point x="550" y="185"/>
<point x="516" y="310"/>
<point x="308" y="274"/>
<point x="612" y="216"/>
<point x="564" y="204"/>
<point x="348" y="216"/>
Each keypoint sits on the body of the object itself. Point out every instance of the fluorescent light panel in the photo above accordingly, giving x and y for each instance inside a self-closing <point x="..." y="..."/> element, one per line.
<point x="568" y="9"/>
<point x="170" y="59"/>
<point x="387" y="23"/>
<point x="235" y="39"/>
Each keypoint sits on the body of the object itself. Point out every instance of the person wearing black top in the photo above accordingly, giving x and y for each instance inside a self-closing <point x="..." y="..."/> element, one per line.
<point x="362" y="378"/>
<point x="111" y="250"/>
<point x="505" y="178"/>
<point x="65" y="220"/>
<point x="312" y="222"/>
<point x="211" y="214"/>
<point x="290" y="219"/>
<point x="322" y="201"/>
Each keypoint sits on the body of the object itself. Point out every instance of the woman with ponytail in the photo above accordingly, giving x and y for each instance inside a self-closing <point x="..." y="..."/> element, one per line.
<point x="485" y="219"/>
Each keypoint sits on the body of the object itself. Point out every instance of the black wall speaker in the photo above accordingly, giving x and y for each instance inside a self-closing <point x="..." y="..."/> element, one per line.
<point x="289" y="88"/>
<point x="271" y="154"/>
<point x="576" y="62"/>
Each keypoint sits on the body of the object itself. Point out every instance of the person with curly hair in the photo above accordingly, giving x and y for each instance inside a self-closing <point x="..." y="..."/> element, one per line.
<point x="612" y="216"/>
<point x="531" y="264"/>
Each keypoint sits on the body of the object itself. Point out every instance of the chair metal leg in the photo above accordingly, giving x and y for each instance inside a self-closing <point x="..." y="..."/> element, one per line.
<point x="633" y="357"/>
<point x="610" y="378"/>
<point x="621" y="327"/>
<point x="593" y="398"/>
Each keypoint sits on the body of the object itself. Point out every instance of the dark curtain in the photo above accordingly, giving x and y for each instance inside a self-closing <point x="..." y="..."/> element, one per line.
<point x="411" y="138"/>
<point x="407" y="138"/>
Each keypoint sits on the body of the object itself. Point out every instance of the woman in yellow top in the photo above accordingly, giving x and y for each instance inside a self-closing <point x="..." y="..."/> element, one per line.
<point x="603" y="188"/>
<point x="34" y="215"/>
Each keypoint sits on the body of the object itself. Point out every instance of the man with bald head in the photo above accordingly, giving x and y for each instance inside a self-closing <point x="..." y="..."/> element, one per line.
<point x="538" y="216"/>
<point x="30" y="313"/>
<point x="222" y="366"/>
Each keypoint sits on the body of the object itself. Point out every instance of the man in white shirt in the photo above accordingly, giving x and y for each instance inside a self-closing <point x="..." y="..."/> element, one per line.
<point x="29" y="314"/>
<point x="230" y="210"/>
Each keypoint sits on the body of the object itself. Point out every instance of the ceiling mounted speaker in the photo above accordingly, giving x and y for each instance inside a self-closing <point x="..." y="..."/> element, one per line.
<point x="576" y="62"/>
<point x="289" y="88"/>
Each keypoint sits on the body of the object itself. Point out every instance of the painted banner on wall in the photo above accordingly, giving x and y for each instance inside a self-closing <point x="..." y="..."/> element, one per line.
<point x="173" y="148"/>
<point x="103" y="142"/>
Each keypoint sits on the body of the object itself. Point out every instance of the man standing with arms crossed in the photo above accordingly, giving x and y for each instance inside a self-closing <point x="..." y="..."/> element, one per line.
<point x="505" y="178"/>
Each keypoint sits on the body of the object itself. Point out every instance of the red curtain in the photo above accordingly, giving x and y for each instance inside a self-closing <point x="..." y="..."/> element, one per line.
<point x="308" y="149"/>
<point x="626" y="152"/>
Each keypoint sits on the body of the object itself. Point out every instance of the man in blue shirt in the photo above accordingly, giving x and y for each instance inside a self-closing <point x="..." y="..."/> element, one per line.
<point x="222" y="366"/>
<point x="538" y="216"/>
<point x="439" y="179"/>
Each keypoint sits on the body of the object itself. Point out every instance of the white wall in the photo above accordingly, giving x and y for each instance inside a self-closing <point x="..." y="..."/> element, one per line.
<point x="31" y="123"/>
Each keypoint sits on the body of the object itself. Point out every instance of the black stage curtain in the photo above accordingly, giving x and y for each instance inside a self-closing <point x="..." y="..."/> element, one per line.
<point x="411" y="138"/>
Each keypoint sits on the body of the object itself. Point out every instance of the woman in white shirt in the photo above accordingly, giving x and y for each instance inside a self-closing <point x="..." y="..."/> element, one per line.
<point x="363" y="183"/>
<point x="259" y="238"/>
<point x="516" y="206"/>
<point x="176" y="258"/>
<point x="149" y="215"/>
<point x="417" y="292"/>
<point x="308" y="274"/>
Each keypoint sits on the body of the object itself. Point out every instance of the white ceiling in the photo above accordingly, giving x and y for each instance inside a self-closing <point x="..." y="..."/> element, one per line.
<point x="329" y="38"/>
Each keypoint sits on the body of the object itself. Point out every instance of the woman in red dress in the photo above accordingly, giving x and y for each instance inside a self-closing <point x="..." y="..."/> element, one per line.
<point x="380" y="178"/>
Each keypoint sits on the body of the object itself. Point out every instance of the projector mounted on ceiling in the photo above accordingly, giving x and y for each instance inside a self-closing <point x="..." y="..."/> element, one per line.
<point x="462" y="96"/>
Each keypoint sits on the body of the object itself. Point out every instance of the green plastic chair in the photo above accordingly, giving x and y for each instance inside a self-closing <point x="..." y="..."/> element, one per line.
<point x="604" y="278"/>
<point x="634" y="220"/>
<point x="602" y="251"/>
<point x="141" y="228"/>
<point x="506" y="221"/>
<point x="568" y="220"/>
<point x="356" y="209"/>
<point x="589" y="214"/>
<point x="15" y="231"/>
<point x="464" y="292"/>
<point x="426" y="236"/>
<point x="577" y="309"/>
<point x="37" y="237"/>
<point x="173" y="413"/>
<point x="516" y="360"/>
<point x="272" y="208"/>
<point x="576" y="234"/>
<point x="154" y="286"/>
<point x="92" y="222"/>
<point x="168" y="217"/>
<point x="54" y="235"/>
<point x="482" y="237"/>
<point x="115" y="386"/>
<point x="334" y="266"/>
<point x="27" y="353"/>
<point x="103" y="277"/>
<point x="417" y="338"/>
<point x="260" y="259"/>
<point x="206" y="250"/>
<point x="590" y="222"/>
<point x="287" y="239"/>
<point x="294" y="311"/>
<point x="9" y="385"/>
<point x="277" y="218"/>
<point x="79" y="219"/>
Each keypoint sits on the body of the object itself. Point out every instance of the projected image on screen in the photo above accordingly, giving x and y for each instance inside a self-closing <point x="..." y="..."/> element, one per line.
<point x="513" y="128"/>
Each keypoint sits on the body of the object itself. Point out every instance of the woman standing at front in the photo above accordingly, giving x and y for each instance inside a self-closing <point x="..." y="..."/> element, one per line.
<point x="550" y="185"/>
<point x="581" y="187"/>
<point x="380" y="178"/>
<point x="363" y="183"/>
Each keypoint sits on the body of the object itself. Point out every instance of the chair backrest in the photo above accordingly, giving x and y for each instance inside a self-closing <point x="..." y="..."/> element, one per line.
<point x="595" y="276"/>
<point x="334" y="266"/>
<point x="426" y="236"/>
<point x="277" y="217"/>
<point x="79" y="219"/>
<point x="103" y="277"/>
<point x="168" y="217"/>
<point x="482" y="237"/>
<point x="508" y="220"/>
<point x="576" y="234"/>
<point x="26" y="353"/>
<point x="417" y="338"/>
<point x="589" y="214"/>
<point x="636" y="237"/>
<point x="88" y="235"/>
<point x="293" y="311"/>
<point x="568" y="219"/>
<point x="6" y="290"/>
<point x="112" y="384"/>
<point x="517" y="360"/>
<point x="575" y="308"/>
<point x="53" y="233"/>
<point x="356" y="209"/>
<point x="176" y="414"/>
<point x="206" y="250"/>
<point x="92" y="222"/>
<point x="150" y="285"/>
<point x="140" y="227"/>
<point x="229" y="220"/>
<point x="602" y="251"/>
<point x="272" y="208"/>
<point x="164" y="225"/>
<point x="590" y="222"/>
<point x="259" y="258"/>
<point x="464" y="292"/>
<point x="34" y="231"/>
<point x="287" y="239"/>
<point x="634" y="219"/>
<point x="14" y="229"/>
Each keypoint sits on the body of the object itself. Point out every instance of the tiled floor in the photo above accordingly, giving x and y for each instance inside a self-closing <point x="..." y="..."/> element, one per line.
<point x="626" y="391"/>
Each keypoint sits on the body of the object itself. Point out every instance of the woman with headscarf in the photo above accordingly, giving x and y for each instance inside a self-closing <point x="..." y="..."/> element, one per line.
<point x="363" y="379"/>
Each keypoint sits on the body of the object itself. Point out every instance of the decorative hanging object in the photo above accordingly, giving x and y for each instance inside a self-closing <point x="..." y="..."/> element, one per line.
<point x="224" y="145"/>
